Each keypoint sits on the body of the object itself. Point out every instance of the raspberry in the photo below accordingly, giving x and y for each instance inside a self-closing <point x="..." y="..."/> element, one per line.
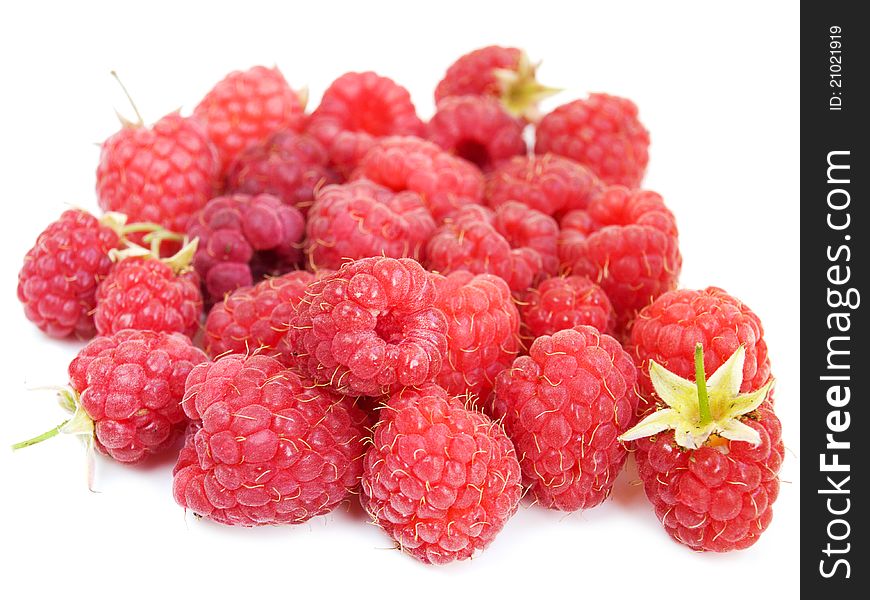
<point x="161" y="174"/>
<point x="563" y="406"/>
<point x="145" y="293"/>
<point x="357" y="109"/>
<point x="549" y="183"/>
<point x="602" y="133"/>
<point x="564" y="302"/>
<point x="668" y="330"/>
<point x="709" y="461"/>
<point x="362" y="219"/>
<point x="125" y="393"/>
<point x="247" y="107"/>
<point x="256" y="319"/>
<point x="243" y="238"/>
<point x="440" y="479"/>
<point x="445" y="182"/>
<point x="514" y="242"/>
<point x="371" y="326"/>
<point x="272" y="448"/>
<point x="287" y="165"/>
<point x="482" y="331"/>
<point x="58" y="282"/>
<point x="477" y="129"/>
<point x="632" y="250"/>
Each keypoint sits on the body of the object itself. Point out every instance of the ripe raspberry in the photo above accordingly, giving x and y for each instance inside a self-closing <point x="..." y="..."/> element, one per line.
<point x="287" y="165"/>
<point x="564" y="406"/>
<point x="362" y="219"/>
<point x="477" y="129"/>
<point x="497" y="72"/>
<point x="549" y="183"/>
<point x="246" y="108"/>
<point x="445" y="182"/>
<point x="244" y="238"/>
<point x="668" y="330"/>
<point x="162" y="174"/>
<point x="149" y="294"/>
<point x="357" y="109"/>
<point x="514" y="242"/>
<point x="482" y="331"/>
<point x="125" y="393"/>
<point x="602" y="133"/>
<point x="58" y="282"/>
<point x="713" y="478"/>
<point x="632" y="250"/>
<point x="564" y="302"/>
<point x="272" y="449"/>
<point x="440" y="479"/>
<point x="369" y="327"/>
<point x="256" y="319"/>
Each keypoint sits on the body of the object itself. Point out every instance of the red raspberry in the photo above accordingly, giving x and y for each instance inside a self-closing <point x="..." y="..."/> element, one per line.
<point x="482" y="331"/>
<point x="162" y="174"/>
<point x="602" y="133"/>
<point x="357" y="109"/>
<point x="362" y="219"/>
<point x="477" y="129"/>
<point x="246" y="108"/>
<point x="514" y="242"/>
<point x="287" y="165"/>
<point x="145" y="293"/>
<point x="445" y="182"/>
<point x="59" y="279"/>
<point x="668" y="330"/>
<point x="549" y="183"/>
<point x="440" y="479"/>
<point x="243" y="238"/>
<point x="371" y="326"/>
<point x="564" y="302"/>
<point x="632" y="250"/>
<point x="272" y="448"/>
<point x="256" y="319"/>
<point x="563" y="406"/>
<point x="126" y="391"/>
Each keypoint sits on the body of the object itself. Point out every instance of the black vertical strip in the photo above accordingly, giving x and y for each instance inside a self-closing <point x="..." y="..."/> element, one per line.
<point x="835" y="225"/>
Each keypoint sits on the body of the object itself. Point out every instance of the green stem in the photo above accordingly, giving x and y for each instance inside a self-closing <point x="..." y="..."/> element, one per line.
<point x="40" y="438"/>
<point x="701" y="382"/>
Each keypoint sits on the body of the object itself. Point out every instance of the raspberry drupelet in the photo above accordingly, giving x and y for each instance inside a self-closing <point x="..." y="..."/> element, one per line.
<point x="564" y="302"/>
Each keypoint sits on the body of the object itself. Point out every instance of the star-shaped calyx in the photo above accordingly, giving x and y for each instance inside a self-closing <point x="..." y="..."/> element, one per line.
<point x="699" y="409"/>
<point x="520" y="90"/>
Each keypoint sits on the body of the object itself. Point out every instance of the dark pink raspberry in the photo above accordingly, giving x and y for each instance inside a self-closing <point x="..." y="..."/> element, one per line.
<point x="244" y="238"/>
<point x="145" y="293"/>
<point x="356" y="110"/>
<point x="482" y="331"/>
<point x="271" y="449"/>
<point x="515" y="242"/>
<point x="288" y="165"/>
<point x="716" y="498"/>
<point x="361" y="219"/>
<point x="477" y="129"/>
<point x="445" y="182"/>
<point x="563" y="407"/>
<point x="256" y="319"/>
<point x="440" y="479"/>
<point x="629" y="246"/>
<point x="475" y="73"/>
<point x="549" y="183"/>
<point x="58" y="282"/>
<point x="564" y="302"/>
<point x="369" y="327"/>
<point x="246" y="108"/>
<point x="131" y="384"/>
<point x="602" y="133"/>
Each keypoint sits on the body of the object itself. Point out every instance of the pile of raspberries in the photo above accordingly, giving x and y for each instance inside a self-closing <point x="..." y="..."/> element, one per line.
<point x="433" y="318"/>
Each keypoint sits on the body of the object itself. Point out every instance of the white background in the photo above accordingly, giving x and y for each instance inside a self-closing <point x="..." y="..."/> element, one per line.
<point x="717" y="87"/>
